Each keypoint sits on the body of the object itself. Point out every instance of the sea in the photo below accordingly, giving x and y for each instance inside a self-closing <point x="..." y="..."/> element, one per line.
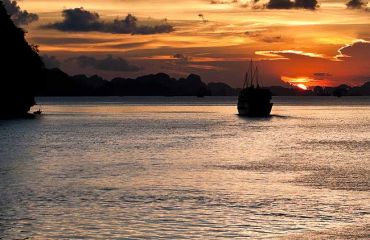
<point x="186" y="168"/>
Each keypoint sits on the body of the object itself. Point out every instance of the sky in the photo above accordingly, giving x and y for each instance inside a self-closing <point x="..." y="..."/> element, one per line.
<point x="324" y="43"/>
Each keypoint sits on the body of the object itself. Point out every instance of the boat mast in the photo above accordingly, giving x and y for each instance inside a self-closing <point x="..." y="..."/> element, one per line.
<point x="245" y="84"/>
<point x="257" y="76"/>
<point x="251" y="72"/>
<point x="251" y="76"/>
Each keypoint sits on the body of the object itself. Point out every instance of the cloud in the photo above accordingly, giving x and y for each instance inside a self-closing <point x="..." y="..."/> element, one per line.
<point x="264" y="37"/>
<point x="57" y="40"/>
<point x="109" y="63"/>
<point x="241" y="3"/>
<point x="201" y="16"/>
<point x="81" y="20"/>
<point x="350" y="66"/>
<point x="273" y="4"/>
<point x="272" y="39"/>
<point x="253" y="34"/>
<point x="182" y="58"/>
<point x="288" y="4"/>
<point x="78" y="19"/>
<point x="356" y="4"/>
<point x="19" y="16"/>
<point x="359" y="49"/>
<point x="286" y="54"/>
<point x="223" y="1"/>
<point x="306" y="4"/>
<point x="322" y="75"/>
<point x="50" y="61"/>
<point x="280" y="4"/>
<point x="130" y="45"/>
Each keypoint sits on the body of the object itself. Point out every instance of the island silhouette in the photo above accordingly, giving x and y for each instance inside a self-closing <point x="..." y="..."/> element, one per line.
<point x="59" y="83"/>
<point x="21" y="69"/>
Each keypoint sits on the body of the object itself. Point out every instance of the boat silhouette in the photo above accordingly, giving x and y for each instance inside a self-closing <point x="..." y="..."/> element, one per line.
<point x="38" y="112"/>
<point x="254" y="101"/>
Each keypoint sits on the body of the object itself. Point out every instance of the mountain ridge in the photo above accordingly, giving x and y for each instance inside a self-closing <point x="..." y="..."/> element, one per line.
<point x="59" y="83"/>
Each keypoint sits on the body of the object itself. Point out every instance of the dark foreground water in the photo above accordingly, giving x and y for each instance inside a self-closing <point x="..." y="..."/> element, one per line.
<point x="176" y="168"/>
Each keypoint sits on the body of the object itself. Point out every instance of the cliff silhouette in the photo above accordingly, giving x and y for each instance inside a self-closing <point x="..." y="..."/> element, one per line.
<point x="21" y="69"/>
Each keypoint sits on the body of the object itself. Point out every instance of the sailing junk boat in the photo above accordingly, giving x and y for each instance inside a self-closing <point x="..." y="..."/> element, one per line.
<point x="254" y="101"/>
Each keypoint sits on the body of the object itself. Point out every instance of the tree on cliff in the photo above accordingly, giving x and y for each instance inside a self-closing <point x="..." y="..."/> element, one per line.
<point x="21" y="69"/>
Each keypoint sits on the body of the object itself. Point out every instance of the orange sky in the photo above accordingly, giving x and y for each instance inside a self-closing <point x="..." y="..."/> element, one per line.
<point x="327" y="46"/>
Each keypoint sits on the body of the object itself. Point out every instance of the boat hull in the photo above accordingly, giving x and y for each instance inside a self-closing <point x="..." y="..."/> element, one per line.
<point x="254" y="109"/>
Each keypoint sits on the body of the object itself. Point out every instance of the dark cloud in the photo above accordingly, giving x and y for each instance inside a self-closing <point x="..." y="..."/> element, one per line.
<point x="81" y="20"/>
<point x="240" y="3"/>
<point x="109" y="63"/>
<point x="204" y="19"/>
<point x="356" y="4"/>
<point x="280" y="4"/>
<point x="274" y="4"/>
<point x="129" y="26"/>
<point x="264" y="37"/>
<point x="78" y="19"/>
<point x="50" y="61"/>
<point x="67" y="40"/>
<point x="359" y="50"/>
<point x="288" y="4"/>
<point x="130" y="45"/>
<point x="182" y="58"/>
<point x="306" y="4"/>
<point x="19" y="16"/>
<point x="223" y="1"/>
<point x="252" y="34"/>
<point x="272" y="39"/>
<point x="322" y="75"/>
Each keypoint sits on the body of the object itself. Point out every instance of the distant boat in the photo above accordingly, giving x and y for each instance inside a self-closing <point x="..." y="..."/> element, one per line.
<point x="38" y="112"/>
<point x="254" y="101"/>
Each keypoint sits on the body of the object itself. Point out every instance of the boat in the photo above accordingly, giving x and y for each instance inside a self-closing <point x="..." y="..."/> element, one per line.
<point x="253" y="100"/>
<point x="38" y="112"/>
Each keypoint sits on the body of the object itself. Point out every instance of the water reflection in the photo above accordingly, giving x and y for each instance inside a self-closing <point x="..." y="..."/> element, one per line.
<point x="103" y="170"/>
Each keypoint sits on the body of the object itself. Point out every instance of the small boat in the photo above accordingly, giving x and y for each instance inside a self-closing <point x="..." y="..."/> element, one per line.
<point x="254" y="101"/>
<point x="38" y="112"/>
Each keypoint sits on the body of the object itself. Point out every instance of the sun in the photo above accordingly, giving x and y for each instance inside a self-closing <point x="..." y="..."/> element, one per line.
<point x="302" y="86"/>
<point x="299" y="82"/>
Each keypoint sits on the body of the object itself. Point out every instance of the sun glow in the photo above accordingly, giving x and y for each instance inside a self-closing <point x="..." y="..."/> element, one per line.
<point x="300" y="82"/>
<point x="301" y="86"/>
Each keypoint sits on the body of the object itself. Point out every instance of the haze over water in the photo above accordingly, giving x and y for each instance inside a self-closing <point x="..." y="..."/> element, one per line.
<point x="176" y="168"/>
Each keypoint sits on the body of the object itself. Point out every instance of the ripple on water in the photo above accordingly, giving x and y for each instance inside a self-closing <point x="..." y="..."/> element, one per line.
<point x="359" y="231"/>
<point x="97" y="170"/>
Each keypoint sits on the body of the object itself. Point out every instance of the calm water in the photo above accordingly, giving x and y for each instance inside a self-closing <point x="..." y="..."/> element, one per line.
<point x="176" y="168"/>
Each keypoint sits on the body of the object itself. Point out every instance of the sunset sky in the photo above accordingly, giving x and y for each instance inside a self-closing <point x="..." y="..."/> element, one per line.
<point x="325" y="45"/>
